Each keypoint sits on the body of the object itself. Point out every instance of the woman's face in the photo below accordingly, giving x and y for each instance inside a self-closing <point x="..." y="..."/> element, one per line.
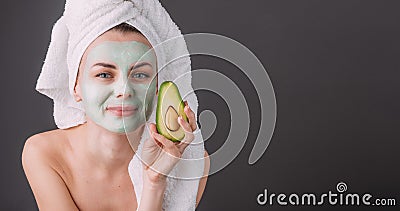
<point x="115" y="81"/>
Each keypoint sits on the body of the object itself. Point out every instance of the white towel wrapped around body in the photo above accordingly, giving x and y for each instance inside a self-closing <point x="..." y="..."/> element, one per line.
<point x="81" y="23"/>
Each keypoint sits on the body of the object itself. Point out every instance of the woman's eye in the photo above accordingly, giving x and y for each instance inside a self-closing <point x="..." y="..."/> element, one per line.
<point x="103" y="75"/>
<point x="139" y="75"/>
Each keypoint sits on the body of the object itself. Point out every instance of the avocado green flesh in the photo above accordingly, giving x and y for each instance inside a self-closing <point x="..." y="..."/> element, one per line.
<point x="169" y="107"/>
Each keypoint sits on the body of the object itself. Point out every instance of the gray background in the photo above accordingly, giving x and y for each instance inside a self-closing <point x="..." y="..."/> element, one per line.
<point x="335" y="69"/>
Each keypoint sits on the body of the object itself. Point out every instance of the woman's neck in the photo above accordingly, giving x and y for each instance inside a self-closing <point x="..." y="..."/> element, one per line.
<point x="108" y="151"/>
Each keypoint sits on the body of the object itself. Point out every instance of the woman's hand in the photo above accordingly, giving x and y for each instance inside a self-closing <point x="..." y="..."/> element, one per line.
<point x="160" y="155"/>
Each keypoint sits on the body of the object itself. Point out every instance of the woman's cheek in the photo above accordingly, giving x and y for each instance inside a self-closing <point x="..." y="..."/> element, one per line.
<point x="94" y="96"/>
<point x="146" y="94"/>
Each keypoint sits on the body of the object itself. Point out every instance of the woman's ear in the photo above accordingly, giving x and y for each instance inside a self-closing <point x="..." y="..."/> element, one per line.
<point x="77" y="87"/>
<point x="77" y="92"/>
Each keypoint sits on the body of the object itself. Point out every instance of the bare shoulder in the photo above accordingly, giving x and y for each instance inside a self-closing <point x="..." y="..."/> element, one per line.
<point x="207" y="160"/>
<point x="206" y="166"/>
<point x="203" y="180"/>
<point x="44" y="146"/>
<point x="41" y="155"/>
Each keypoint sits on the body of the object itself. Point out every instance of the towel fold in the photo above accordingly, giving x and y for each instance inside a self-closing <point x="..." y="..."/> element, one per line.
<point x="81" y="23"/>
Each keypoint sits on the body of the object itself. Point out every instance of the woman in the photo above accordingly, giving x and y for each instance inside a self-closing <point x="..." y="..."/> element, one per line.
<point x="85" y="167"/>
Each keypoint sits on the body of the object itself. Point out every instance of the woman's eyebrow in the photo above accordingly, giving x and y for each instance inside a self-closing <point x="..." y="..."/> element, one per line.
<point x="141" y="65"/>
<point x="105" y="65"/>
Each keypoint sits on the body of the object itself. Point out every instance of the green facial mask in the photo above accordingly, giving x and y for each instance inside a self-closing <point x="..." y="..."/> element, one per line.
<point x="118" y="85"/>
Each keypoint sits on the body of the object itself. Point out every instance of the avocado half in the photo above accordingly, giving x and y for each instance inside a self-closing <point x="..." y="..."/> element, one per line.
<point x="169" y="107"/>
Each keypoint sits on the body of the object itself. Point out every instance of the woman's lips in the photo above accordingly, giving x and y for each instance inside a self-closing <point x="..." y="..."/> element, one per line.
<point x="120" y="110"/>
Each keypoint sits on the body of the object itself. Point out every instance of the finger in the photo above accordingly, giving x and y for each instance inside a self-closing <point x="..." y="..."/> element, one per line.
<point x="167" y="161"/>
<point x="188" y="134"/>
<point x="191" y="116"/>
<point x="153" y="129"/>
<point x="185" y="125"/>
<point x="164" y="141"/>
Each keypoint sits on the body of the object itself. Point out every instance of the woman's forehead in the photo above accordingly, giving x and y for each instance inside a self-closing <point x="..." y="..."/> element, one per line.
<point x="117" y="36"/>
<point x="121" y="50"/>
<point x="137" y="42"/>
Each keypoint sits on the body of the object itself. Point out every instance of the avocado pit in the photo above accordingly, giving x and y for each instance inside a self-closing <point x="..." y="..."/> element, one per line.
<point x="171" y="119"/>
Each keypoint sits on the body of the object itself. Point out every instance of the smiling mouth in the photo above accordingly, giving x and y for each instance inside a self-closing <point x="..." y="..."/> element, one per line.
<point x="122" y="111"/>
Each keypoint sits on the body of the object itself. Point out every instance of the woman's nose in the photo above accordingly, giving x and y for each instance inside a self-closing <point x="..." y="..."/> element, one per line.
<point x="123" y="90"/>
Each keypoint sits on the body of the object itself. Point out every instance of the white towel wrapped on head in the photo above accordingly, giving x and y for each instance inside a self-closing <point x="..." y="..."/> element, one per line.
<point x="81" y="23"/>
